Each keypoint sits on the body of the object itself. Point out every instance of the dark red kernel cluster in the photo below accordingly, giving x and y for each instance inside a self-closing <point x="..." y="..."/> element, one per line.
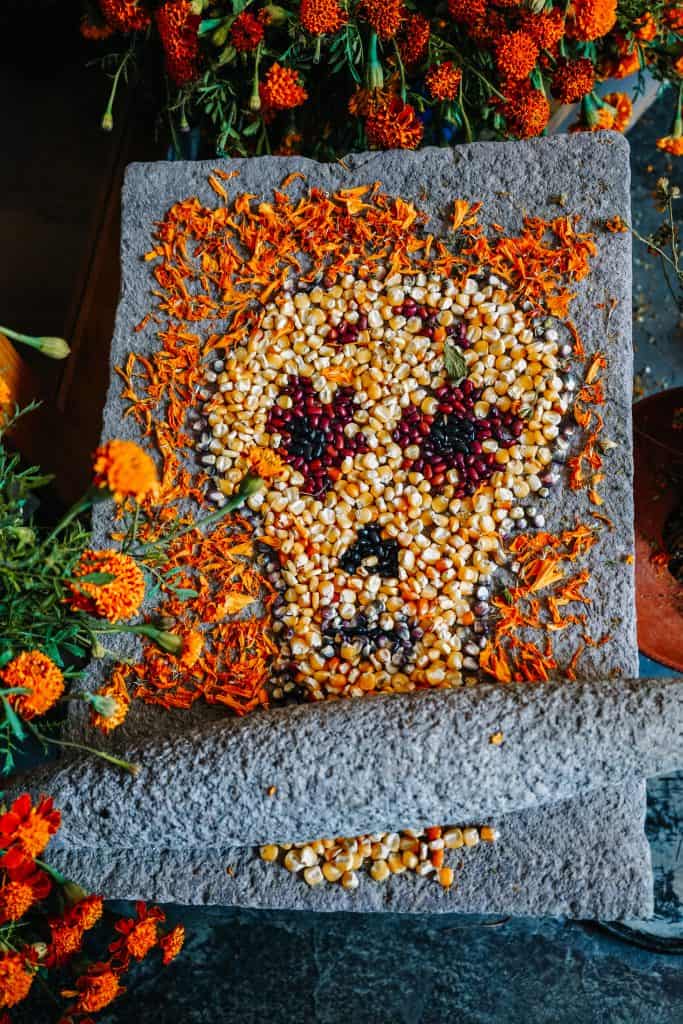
<point x="430" y="321"/>
<point x="312" y="432"/>
<point x="452" y="438"/>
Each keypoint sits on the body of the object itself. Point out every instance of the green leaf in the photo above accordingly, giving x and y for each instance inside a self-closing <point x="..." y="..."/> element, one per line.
<point x="6" y="657"/>
<point x="454" y="362"/>
<point x="252" y="128"/>
<point x="98" y="578"/>
<point x="185" y="593"/>
<point x="209" y="24"/>
<point x="13" y="720"/>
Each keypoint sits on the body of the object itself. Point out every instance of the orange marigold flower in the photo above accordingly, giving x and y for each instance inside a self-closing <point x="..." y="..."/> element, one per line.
<point x="66" y="939"/>
<point x="615" y="225"/>
<point x="673" y="17"/>
<point x="95" y="30"/>
<point x="40" y="676"/>
<point x="573" y="79"/>
<point x="443" y="81"/>
<point x="623" y="110"/>
<point x="321" y="17"/>
<point x="487" y="31"/>
<point x="467" y="10"/>
<point x="628" y="63"/>
<point x="193" y="644"/>
<point x="95" y="989"/>
<point x="290" y="145"/>
<point x="177" y="25"/>
<point x="545" y="29"/>
<point x="27" y="827"/>
<point x="125" y="15"/>
<point x="120" y="598"/>
<point x="672" y="144"/>
<point x="125" y="470"/>
<point x="172" y="943"/>
<point x="394" y="125"/>
<point x="526" y="112"/>
<point x="516" y="55"/>
<point x="24" y="885"/>
<point x="678" y="68"/>
<point x="117" y="690"/>
<point x="15" y="978"/>
<point x="413" y="39"/>
<point x="246" y="32"/>
<point x="281" y="90"/>
<point x="5" y="393"/>
<point x="139" y="934"/>
<point x="87" y="912"/>
<point x="592" y="19"/>
<point x="385" y="16"/>
<point x="646" y="27"/>
<point x="265" y="462"/>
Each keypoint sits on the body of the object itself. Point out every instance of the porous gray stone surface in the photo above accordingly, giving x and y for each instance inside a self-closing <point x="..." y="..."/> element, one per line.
<point x="348" y="767"/>
<point x="589" y="175"/>
<point x="584" y="859"/>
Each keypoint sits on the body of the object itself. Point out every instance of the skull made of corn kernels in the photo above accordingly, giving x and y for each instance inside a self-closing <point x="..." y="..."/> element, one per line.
<point x="410" y="417"/>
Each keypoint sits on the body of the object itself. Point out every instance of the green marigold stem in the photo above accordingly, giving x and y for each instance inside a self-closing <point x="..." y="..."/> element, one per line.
<point x="126" y="766"/>
<point x="375" y="72"/>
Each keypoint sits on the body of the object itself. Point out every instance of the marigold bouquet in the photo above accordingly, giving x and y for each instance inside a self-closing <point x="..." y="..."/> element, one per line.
<point x="50" y="928"/>
<point x="325" y="77"/>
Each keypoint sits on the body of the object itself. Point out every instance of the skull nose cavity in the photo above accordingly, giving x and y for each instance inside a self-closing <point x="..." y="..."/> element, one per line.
<point x="371" y="550"/>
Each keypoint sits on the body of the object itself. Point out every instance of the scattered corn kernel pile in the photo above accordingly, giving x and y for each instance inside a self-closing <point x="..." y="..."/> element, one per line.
<point x="388" y="853"/>
<point x="409" y="404"/>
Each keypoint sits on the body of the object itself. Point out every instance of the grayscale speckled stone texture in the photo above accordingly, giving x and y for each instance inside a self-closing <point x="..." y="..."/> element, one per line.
<point x="591" y="174"/>
<point x="388" y="762"/>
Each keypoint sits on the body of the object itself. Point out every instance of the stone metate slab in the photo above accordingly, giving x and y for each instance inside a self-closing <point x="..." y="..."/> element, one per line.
<point x="262" y="779"/>
<point x="587" y="175"/>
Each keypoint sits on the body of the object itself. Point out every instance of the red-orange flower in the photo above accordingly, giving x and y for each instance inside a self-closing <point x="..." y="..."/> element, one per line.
<point x="646" y="28"/>
<point x="573" y="79"/>
<point x="139" y="934"/>
<point x="95" y="30"/>
<point x="516" y="55"/>
<point x="281" y="90"/>
<point x="467" y="10"/>
<point x="592" y="19"/>
<point x="39" y="675"/>
<point x="321" y="17"/>
<point x="118" y="599"/>
<point x="413" y="39"/>
<point x="623" y="110"/>
<point x="246" y="32"/>
<point x="125" y="470"/>
<point x="95" y="989"/>
<point x="545" y="29"/>
<point x="87" y="912"/>
<point x="394" y="125"/>
<point x="672" y="144"/>
<point x="443" y="81"/>
<point x="172" y="943"/>
<point x="5" y="393"/>
<point x="673" y="17"/>
<point x="24" y="884"/>
<point x="27" y="827"/>
<point x="66" y="939"/>
<point x="385" y="16"/>
<point x="125" y="15"/>
<point x="526" y="111"/>
<point x="628" y="62"/>
<point x="117" y="690"/>
<point x="16" y="978"/>
<point x="177" y="25"/>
